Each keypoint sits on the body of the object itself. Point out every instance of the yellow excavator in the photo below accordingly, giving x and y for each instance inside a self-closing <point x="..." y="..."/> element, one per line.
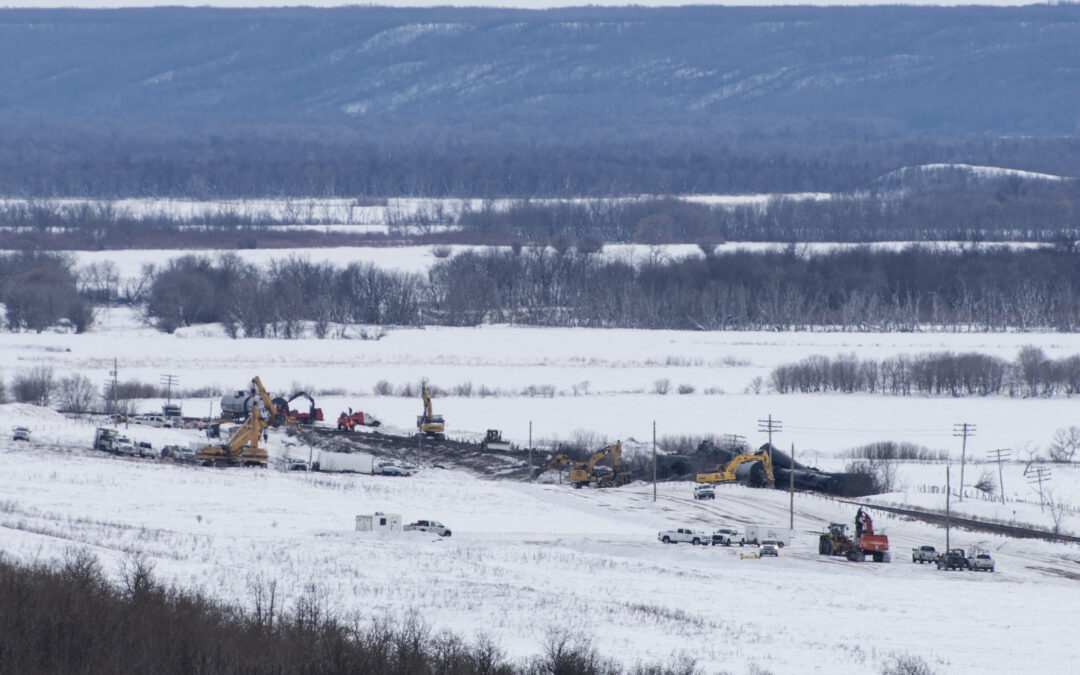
<point x="589" y="472"/>
<point x="429" y="424"/>
<point x="242" y="449"/>
<point x="726" y="473"/>
<point x="278" y="413"/>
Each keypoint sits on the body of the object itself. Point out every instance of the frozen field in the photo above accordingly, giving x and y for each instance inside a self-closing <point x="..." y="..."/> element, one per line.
<point x="525" y="559"/>
<point x="529" y="558"/>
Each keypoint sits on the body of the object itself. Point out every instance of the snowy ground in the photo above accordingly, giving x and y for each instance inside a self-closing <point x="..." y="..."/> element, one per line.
<point x="526" y="558"/>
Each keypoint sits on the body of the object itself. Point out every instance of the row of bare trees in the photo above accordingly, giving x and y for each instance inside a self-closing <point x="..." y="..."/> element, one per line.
<point x="858" y="290"/>
<point x="937" y="374"/>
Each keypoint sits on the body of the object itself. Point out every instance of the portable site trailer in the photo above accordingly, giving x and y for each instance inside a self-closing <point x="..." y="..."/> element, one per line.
<point x="379" y="522"/>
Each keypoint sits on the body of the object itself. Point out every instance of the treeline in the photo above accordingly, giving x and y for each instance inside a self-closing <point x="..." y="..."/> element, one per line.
<point x="281" y="300"/>
<point x="68" y="618"/>
<point x="859" y="289"/>
<point x="270" y="161"/>
<point x="1005" y="209"/>
<point x="936" y="374"/>
<point x="1011" y="210"/>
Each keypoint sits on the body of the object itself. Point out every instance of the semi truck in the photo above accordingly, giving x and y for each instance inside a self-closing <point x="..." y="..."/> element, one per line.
<point x="346" y="462"/>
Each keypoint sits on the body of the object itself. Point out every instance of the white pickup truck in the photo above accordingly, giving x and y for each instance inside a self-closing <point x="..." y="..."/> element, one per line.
<point x="684" y="535"/>
<point x="980" y="561"/>
<point x="432" y="526"/>
<point x="924" y="554"/>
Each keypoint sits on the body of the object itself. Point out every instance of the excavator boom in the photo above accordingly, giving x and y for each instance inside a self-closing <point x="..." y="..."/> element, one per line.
<point x="727" y="472"/>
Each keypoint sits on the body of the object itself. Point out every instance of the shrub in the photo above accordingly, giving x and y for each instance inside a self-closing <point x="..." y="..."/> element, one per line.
<point x="686" y="389"/>
<point x="662" y="387"/>
<point x="34" y="386"/>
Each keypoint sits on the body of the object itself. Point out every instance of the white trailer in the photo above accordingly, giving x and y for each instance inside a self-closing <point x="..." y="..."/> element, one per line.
<point x="346" y="462"/>
<point x="379" y="522"/>
<point x="755" y="534"/>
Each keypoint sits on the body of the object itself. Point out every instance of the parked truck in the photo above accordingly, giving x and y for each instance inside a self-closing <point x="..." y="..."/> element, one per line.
<point x="684" y="535"/>
<point x="755" y="534"/>
<point x="105" y="439"/>
<point x="980" y="561"/>
<point x="350" y="420"/>
<point x="433" y="526"/>
<point x="346" y="462"/>
<point x="924" y="554"/>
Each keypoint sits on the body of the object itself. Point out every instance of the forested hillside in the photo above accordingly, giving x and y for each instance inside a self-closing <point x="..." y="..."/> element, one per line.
<point x="486" y="102"/>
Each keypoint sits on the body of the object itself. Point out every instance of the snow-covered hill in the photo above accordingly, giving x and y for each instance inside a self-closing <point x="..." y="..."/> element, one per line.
<point x="526" y="559"/>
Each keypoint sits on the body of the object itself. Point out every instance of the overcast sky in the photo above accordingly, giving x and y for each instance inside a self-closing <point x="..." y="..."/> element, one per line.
<point x="529" y="4"/>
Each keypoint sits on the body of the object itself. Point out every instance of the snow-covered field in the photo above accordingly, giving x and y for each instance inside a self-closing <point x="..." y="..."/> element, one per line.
<point x="529" y="558"/>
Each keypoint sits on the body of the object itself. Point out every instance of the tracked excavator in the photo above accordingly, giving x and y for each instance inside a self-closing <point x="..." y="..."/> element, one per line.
<point x="242" y="448"/>
<point x="590" y="471"/>
<point x="429" y="424"/>
<point x="755" y="469"/>
<point x="311" y="416"/>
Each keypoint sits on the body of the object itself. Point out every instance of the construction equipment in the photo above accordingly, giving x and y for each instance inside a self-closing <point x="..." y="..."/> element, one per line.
<point x="348" y="421"/>
<point x="755" y="469"/>
<point x="312" y="415"/>
<point x="240" y="404"/>
<point x="242" y="448"/>
<point x="837" y="542"/>
<point x="429" y="424"/>
<point x="590" y="472"/>
<point x="493" y="441"/>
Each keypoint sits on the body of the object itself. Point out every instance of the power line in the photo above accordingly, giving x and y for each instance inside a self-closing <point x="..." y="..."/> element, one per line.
<point x="771" y="427"/>
<point x="1000" y="456"/>
<point x="1039" y="475"/>
<point x="169" y="381"/>
<point x="962" y="430"/>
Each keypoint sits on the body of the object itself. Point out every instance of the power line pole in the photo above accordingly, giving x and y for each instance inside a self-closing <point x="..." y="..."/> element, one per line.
<point x="999" y="456"/>
<point x="791" y="489"/>
<point x="948" y="514"/>
<point x="1039" y="475"/>
<point x="771" y="427"/>
<point x="654" y="460"/>
<point x="169" y="381"/>
<point x="963" y="429"/>
<point x="115" y="374"/>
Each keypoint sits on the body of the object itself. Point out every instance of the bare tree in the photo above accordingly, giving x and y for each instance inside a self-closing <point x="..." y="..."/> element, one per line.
<point x="1065" y="444"/>
<point x="1057" y="510"/>
<point x="77" y="394"/>
<point x="36" y="385"/>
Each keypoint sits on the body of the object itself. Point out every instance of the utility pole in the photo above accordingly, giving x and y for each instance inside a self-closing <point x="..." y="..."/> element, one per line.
<point x="948" y="516"/>
<point x="791" y="489"/>
<point x="169" y="381"/>
<point x="734" y="441"/>
<point x="999" y="456"/>
<point x="654" y="460"/>
<point x="1039" y="475"/>
<point x="771" y="427"/>
<point x="963" y="429"/>
<point x="115" y="373"/>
